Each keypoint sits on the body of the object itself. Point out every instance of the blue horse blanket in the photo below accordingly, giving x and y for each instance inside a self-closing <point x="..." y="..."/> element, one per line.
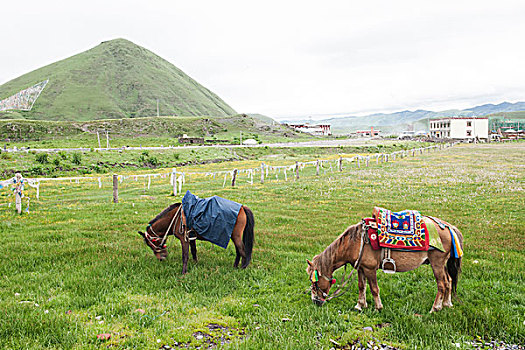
<point x="212" y="218"/>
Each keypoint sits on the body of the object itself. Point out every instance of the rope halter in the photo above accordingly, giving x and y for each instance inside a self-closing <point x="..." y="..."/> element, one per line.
<point x="153" y="239"/>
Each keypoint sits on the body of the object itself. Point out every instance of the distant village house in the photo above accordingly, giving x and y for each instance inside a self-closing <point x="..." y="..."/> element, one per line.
<point x="460" y="128"/>
<point x="368" y="133"/>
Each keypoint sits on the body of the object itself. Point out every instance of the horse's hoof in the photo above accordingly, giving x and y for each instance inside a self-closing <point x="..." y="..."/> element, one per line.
<point x="358" y="307"/>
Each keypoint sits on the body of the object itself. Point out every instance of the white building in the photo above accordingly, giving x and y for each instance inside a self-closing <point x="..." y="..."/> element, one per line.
<point x="250" y="142"/>
<point x="460" y="128"/>
<point x="318" y="129"/>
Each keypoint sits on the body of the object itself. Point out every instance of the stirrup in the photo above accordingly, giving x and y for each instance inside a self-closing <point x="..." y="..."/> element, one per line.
<point x="388" y="260"/>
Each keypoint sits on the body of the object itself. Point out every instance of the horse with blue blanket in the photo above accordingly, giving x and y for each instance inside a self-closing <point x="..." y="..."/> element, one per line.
<point x="213" y="219"/>
<point x="393" y="242"/>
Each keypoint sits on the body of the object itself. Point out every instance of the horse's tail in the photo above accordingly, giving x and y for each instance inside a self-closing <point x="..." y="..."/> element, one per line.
<point x="454" y="264"/>
<point x="248" y="235"/>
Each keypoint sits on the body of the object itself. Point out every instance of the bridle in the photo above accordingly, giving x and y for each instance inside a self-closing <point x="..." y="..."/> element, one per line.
<point x="343" y="288"/>
<point x="153" y="238"/>
<point x="315" y="280"/>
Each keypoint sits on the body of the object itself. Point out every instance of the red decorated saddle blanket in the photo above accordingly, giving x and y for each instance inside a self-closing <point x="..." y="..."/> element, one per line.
<point x="402" y="230"/>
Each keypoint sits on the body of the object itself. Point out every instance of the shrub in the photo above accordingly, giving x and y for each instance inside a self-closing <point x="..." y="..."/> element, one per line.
<point x="153" y="161"/>
<point x="176" y="156"/>
<point x="56" y="161"/>
<point x="76" y="158"/>
<point x="63" y="155"/>
<point x="5" y="155"/>
<point x="37" y="170"/>
<point x="42" y="158"/>
<point x="95" y="168"/>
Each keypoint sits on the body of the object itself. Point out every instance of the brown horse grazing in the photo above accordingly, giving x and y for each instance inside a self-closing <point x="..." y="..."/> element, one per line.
<point x="349" y="248"/>
<point x="172" y="221"/>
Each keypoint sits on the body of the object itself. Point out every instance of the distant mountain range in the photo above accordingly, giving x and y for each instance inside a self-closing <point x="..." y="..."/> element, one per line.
<point x="400" y="121"/>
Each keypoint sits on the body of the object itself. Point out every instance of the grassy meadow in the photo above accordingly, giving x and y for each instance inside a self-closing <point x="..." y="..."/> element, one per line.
<point x="74" y="266"/>
<point x="62" y="163"/>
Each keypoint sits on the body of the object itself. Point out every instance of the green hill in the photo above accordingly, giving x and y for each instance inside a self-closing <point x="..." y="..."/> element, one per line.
<point x="116" y="79"/>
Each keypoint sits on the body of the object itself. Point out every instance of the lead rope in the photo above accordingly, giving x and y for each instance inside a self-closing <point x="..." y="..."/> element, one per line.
<point x="341" y="290"/>
<point x="169" y="227"/>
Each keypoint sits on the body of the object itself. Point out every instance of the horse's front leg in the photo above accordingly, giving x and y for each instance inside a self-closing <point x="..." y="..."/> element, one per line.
<point x="193" y="247"/>
<point x="371" y="276"/>
<point x="361" y="301"/>
<point x="185" y="256"/>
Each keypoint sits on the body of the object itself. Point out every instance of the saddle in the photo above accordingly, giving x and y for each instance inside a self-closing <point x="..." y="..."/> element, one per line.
<point x="405" y="230"/>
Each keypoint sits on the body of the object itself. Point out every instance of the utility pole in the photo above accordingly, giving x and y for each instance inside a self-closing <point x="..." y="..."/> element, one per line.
<point x="98" y="138"/>
<point x="107" y="139"/>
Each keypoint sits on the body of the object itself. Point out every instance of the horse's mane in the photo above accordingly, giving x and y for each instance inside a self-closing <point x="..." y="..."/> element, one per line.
<point x="164" y="212"/>
<point x="324" y="261"/>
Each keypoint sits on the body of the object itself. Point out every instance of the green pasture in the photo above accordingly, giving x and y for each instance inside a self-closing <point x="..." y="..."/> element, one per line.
<point x="74" y="163"/>
<point x="74" y="266"/>
<point x="145" y="131"/>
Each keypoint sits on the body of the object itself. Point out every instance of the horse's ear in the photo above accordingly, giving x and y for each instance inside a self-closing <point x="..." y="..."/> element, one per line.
<point x="141" y="233"/>
<point x="309" y="263"/>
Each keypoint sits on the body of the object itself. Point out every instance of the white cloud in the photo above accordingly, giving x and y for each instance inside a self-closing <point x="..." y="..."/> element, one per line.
<point x="285" y="58"/>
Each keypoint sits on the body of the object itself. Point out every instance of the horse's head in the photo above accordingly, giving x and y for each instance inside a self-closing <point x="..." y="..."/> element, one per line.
<point x="321" y="284"/>
<point x="156" y="242"/>
<point x="167" y="222"/>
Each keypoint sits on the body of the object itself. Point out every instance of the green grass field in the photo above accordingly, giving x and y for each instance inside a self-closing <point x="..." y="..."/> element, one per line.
<point x="79" y="257"/>
<point x="53" y="164"/>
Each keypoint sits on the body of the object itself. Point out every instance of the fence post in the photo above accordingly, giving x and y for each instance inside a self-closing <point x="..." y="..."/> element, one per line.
<point x="115" y="188"/>
<point x="367" y="159"/>
<point x="317" y="168"/>
<point x="296" y="170"/>
<point x="234" y="176"/>
<point x="358" y="163"/>
<point x="340" y="163"/>
<point x="174" y="180"/>
<point x="38" y="190"/>
<point x="262" y="173"/>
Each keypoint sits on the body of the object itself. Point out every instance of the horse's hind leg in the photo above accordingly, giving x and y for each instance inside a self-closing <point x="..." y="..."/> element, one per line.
<point x="441" y="279"/>
<point x="361" y="301"/>
<point x="237" y="258"/>
<point x="239" y="249"/>
<point x="447" y="298"/>
<point x="193" y="247"/>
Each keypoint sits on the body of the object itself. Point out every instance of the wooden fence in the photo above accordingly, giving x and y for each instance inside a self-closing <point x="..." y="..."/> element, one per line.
<point x="177" y="179"/>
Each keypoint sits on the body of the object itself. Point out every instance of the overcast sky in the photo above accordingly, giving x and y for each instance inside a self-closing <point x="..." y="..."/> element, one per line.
<point x="296" y="58"/>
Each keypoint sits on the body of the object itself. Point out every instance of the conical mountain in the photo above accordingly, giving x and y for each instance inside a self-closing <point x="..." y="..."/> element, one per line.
<point x="116" y="79"/>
